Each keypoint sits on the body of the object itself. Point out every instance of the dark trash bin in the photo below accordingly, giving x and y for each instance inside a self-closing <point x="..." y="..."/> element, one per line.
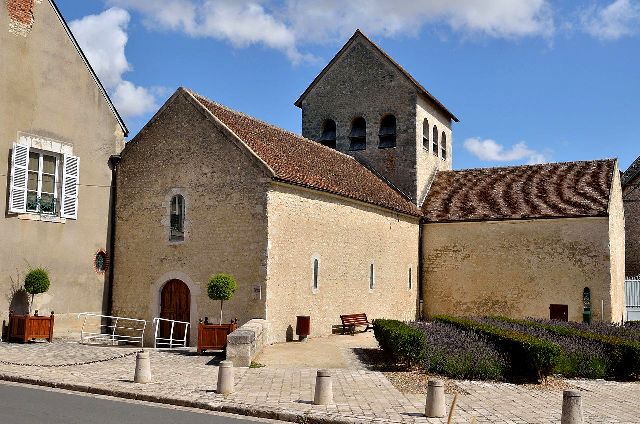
<point x="303" y="326"/>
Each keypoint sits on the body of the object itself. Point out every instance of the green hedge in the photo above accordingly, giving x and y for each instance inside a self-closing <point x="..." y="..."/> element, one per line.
<point x="405" y="344"/>
<point x="529" y="357"/>
<point x="624" y="354"/>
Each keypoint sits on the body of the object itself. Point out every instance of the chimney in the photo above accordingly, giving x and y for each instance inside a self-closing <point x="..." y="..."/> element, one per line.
<point x="20" y="16"/>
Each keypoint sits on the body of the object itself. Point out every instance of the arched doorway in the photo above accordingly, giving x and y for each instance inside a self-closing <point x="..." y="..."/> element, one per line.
<point x="175" y="304"/>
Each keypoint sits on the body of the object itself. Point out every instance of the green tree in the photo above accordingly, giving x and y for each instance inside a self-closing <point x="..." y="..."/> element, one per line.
<point x="221" y="287"/>
<point x="36" y="282"/>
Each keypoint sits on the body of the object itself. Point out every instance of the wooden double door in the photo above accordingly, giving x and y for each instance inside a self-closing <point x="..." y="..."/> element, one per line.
<point x="175" y="304"/>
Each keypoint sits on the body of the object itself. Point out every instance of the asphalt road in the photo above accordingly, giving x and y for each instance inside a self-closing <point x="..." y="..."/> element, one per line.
<point x="22" y="404"/>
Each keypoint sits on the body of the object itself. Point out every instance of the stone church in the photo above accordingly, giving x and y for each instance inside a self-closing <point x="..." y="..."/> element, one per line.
<point x="362" y="213"/>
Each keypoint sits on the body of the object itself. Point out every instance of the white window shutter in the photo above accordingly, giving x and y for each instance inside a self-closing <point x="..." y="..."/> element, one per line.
<point x="70" y="181"/>
<point x="19" y="165"/>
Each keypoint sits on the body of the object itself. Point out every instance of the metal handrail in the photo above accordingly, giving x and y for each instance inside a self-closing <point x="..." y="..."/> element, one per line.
<point x="161" y="342"/>
<point x="109" y="334"/>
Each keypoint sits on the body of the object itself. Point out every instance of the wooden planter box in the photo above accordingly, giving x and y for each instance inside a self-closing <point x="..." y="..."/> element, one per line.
<point x="214" y="336"/>
<point x="23" y="328"/>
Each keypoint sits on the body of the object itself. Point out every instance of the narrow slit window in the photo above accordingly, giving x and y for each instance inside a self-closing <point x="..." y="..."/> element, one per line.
<point x="410" y="282"/>
<point x="358" y="134"/>
<point x="177" y="218"/>
<point x="443" y="146"/>
<point x="435" y="141"/>
<point x="372" y="281"/>
<point x="387" y="132"/>
<point x="315" y="274"/>
<point x="425" y="134"/>
<point x="328" y="137"/>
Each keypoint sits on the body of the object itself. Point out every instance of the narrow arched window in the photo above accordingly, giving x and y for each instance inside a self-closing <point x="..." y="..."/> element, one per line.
<point x="328" y="137"/>
<point x="425" y="134"/>
<point x="387" y="132"/>
<point x="586" y="305"/>
<point x="177" y="218"/>
<point x="315" y="274"/>
<point x="358" y="134"/>
<point x="435" y="141"/>
<point x="372" y="277"/>
<point x="443" y="146"/>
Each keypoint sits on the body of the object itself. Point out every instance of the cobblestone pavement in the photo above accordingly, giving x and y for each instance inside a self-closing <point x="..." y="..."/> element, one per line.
<point x="183" y="378"/>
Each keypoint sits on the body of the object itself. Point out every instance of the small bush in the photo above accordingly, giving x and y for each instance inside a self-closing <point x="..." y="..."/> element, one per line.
<point x="529" y="357"/>
<point x="37" y="281"/>
<point x="461" y="354"/>
<point x="403" y="343"/>
<point x="221" y="287"/>
<point x="624" y="355"/>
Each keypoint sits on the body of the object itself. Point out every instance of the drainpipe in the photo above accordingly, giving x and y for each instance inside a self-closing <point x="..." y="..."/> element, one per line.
<point x="114" y="161"/>
<point x="421" y="281"/>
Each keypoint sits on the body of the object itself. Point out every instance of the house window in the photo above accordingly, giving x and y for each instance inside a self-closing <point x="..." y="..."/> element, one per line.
<point x="387" y="132"/>
<point x="177" y="218"/>
<point x="443" y="145"/>
<point x="315" y="274"/>
<point x="372" y="281"/>
<point x="425" y="134"/>
<point x="358" y="134"/>
<point x="42" y="183"/>
<point x="410" y="282"/>
<point x="435" y="141"/>
<point x="328" y="137"/>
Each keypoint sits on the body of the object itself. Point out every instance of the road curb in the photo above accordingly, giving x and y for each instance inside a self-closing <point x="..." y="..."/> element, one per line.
<point x="273" y="414"/>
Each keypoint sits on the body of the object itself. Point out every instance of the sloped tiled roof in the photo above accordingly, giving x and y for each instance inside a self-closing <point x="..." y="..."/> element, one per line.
<point x="360" y="34"/>
<point x="554" y="190"/>
<point x="631" y="172"/>
<point x="297" y="160"/>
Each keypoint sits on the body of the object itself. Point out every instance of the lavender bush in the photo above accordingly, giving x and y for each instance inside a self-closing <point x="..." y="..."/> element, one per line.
<point x="581" y="357"/>
<point x="459" y="354"/>
<point x="627" y="331"/>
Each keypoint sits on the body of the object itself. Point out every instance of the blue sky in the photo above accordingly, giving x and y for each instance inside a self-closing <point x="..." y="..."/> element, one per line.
<point x="530" y="80"/>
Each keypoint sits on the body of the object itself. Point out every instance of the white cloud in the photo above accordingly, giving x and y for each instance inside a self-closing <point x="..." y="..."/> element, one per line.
<point x="490" y="150"/>
<point x="103" y="38"/>
<point x="619" y="19"/>
<point x="286" y="25"/>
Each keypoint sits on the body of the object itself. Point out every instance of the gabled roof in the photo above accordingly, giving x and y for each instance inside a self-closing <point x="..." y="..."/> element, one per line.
<point x="632" y="171"/>
<point x="296" y="160"/>
<point x="125" y="130"/>
<point x="553" y="190"/>
<point x="359" y="35"/>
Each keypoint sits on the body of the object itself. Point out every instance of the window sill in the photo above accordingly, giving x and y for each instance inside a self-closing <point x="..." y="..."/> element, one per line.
<point x="387" y="147"/>
<point x="45" y="218"/>
<point x="352" y="149"/>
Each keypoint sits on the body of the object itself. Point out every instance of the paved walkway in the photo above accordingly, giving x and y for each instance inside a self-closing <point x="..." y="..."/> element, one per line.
<point x="286" y="393"/>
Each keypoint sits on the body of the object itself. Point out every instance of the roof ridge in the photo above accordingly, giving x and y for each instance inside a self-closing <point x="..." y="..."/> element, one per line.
<point x="533" y="165"/>
<point x="237" y="112"/>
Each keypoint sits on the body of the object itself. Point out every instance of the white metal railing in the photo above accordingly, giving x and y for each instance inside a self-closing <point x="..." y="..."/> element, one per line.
<point x="112" y="332"/>
<point x="170" y="342"/>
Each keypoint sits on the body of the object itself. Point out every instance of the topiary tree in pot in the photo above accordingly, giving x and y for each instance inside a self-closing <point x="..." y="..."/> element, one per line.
<point x="36" y="282"/>
<point x="221" y="287"/>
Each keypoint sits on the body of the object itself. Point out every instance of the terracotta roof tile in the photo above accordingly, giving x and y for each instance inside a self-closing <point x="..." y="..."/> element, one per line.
<point x="297" y="160"/>
<point x="553" y="190"/>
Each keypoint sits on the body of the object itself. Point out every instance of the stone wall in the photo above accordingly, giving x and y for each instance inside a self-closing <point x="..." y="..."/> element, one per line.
<point x="345" y="237"/>
<point x="632" y="226"/>
<point x="617" y="247"/>
<point x="47" y="91"/>
<point x="364" y="83"/>
<point x="182" y="151"/>
<point x="518" y="268"/>
<point x="244" y="344"/>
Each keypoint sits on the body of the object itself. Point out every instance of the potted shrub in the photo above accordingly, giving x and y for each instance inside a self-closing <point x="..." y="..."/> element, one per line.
<point x="214" y="336"/>
<point x="26" y="327"/>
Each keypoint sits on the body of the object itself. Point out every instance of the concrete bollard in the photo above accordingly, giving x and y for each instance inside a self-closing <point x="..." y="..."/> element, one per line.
<point x="435" y="407"/>
<point x="324" y="388"/>
<point x="571" y="407"/>
<point x="225" y="378"/>
<point x="143" y="368"/>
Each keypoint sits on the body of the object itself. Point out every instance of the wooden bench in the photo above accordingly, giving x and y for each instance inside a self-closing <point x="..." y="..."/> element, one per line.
<point x="354" y="320"/>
